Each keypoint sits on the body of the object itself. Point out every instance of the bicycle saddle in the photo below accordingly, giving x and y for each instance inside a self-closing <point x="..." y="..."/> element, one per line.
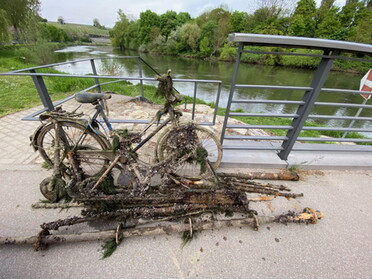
<point x="91" y="97"/>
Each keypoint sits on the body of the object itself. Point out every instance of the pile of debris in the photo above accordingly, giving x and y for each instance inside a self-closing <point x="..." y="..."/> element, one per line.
<point x="180" y="205"/>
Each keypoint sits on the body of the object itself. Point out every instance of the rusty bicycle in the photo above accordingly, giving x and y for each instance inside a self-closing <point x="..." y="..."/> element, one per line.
<point x="76" y="148"/>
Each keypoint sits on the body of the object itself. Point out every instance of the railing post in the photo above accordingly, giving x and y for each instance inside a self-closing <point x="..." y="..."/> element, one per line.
<point x="42" y="91"/>
<point x="95" y="73"/>
<point x="194" y="100"/>
<point x="217" y="102"/>
<point x="232" y="90"/>
<point x="309" y="99"/>
<point x="140" y="75"/>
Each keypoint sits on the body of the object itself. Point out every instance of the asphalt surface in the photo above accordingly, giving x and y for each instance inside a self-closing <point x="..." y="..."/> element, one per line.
<point x="338" y="246"/>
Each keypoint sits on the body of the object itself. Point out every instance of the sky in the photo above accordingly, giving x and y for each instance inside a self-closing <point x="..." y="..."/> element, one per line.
<point x="84" y="11"/>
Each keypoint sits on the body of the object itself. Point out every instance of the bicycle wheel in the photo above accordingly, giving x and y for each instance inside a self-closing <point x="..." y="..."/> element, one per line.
<point x="77" y="137"/>
<point x="206" y="139"/>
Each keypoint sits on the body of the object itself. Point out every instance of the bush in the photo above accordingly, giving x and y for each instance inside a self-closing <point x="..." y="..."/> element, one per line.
<point x="40" y="53"/>
<point x="205" y="48"/>
<point x="54" y="34"/>
<point x="302" y="61"/>
<point x="228" y="53"/>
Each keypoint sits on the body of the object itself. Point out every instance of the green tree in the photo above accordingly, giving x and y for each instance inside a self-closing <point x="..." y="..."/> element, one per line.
<point x="324" y="9"/>
<point x="168" y="22"/>
<point x="361" y="31"/>
<point x="329" y="26"/>
<point x="174" y="44"/>
<point x="208" y="38"/>
<point x="238" y="21"/>
<point x="61" y="20"/>
<point x="183" y="18"/>
<point x="303" y="21"/>
<point x="190" y="34"/>
<point x="53" y="34"/>
<point x="4" y="23"/>
<point x="205" y="47"/>
<point x="123" y="34"/>
<point x="268" y="20"/>
<point x="149" y="27"/>
<point x="349" y="12"/>
<point x="118" y="33"/>
<point x="19" y="13"/>
<point x="215" y="25"/>
<point x="96" y="23"/>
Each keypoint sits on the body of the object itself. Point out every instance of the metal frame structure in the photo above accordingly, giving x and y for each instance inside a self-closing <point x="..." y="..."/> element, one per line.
<point x="42" y="90"/>
<point x="331" y="50"/>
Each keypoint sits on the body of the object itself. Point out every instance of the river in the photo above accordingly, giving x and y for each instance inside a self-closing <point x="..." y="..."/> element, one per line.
<point x="187" y="68"/>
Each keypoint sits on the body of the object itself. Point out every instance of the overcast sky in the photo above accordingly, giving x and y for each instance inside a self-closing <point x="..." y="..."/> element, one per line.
<point x="84" y="11"/>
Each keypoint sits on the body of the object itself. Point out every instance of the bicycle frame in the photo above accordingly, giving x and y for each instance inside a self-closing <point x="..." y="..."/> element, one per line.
<point x="108" y="153"/>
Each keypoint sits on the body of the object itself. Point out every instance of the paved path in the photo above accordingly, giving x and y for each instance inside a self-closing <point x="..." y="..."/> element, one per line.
<point x="15" y="146"/>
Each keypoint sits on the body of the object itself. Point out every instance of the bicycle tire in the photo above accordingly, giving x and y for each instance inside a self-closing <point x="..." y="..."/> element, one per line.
<point x="91" y="165"/>
<point x="208" y="140"/>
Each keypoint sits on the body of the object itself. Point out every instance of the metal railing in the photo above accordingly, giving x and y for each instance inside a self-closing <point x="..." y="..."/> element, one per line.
<point x="292" y="141"/>
<point x="42" y="90"/>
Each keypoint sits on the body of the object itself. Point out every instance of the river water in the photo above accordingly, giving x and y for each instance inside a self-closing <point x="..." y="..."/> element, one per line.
<point x="187" y="68"/>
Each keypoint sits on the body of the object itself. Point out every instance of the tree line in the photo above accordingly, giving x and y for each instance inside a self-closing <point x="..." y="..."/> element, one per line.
<point x="206" y="35"/>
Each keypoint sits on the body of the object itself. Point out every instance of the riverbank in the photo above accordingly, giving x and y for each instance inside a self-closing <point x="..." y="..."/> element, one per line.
<point x="229" y="52"/>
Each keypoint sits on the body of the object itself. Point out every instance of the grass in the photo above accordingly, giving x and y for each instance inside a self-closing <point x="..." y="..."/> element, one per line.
<point x="81" y="29"/>
<point x="19" y="93"/>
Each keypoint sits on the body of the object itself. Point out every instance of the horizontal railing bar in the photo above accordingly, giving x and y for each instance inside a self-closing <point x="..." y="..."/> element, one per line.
<point x="332" y="148"/>
<point x="279" y="102"/>
<point x="307" y="54"/>
<point x="332" y="90"/>
<point x="263" y="114"/>
<point x="255" y="137"/>
<point x="333" y="139"/>
<point x="144" y="121"/>
<point x="242" y="101"/>
<point x="358" y="130"/>
<point x="197" y="80"/>
<point x="244" y="147"/>
<point x="342" y="105"/>
<point x="32" y="116"/>
<point x="70" y="62"/>
<point x="75" y="76"/>
<point x="348" y="91"/>
<point x="256" y="86"/>
<point x="339" y="117"/>
<point x="259" y="127"/>
<point x="105" y="77"/>
<point x="307" y="128"/>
